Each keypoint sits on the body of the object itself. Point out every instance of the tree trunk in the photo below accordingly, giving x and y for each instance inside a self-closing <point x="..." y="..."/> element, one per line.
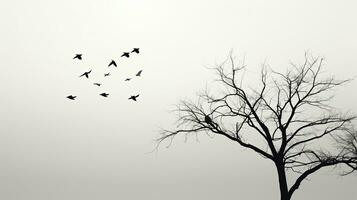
<point x="283" y="186"/>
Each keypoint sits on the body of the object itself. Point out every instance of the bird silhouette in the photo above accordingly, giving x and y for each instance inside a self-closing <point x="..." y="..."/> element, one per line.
<point x="86" y="74"/>
<point x="134" y="97"/>
<point x="107" y="74"/>
<point x="136" y="50"/>
<point x="126" y="54"/>
<point x="71" y="97"/>
<point x="97" y="84"/>
<point x="112" y="63"/>
<point x="139" y="73"/>
<point x="104" y="94"/>
<point x="128" y="79"/>
<point x="78" y="56"/>
<point x="208" y="120"/>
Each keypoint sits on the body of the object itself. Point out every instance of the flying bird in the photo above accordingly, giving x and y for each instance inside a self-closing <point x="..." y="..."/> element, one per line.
<point x="128" y="79"/>
<point x="107" y="74"/>
<point x="126" y="54"/>
<point x="86" y="74"/>
<point x="136" y="50"/>
<point x="97" y="84"/>
<point x="112" y="63"/>
<point x="104" y="94"/>
<point x="71" y="97"/>
<point x="78" y="56"/>
<point x="139" y="73"/>
<point x="134" y="97"/>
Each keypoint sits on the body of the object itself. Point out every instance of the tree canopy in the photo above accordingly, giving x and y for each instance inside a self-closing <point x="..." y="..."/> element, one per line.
<point x="290" y="113"/>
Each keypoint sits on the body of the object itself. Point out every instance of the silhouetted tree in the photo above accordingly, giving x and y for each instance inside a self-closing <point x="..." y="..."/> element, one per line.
<point x="294" y="125"/>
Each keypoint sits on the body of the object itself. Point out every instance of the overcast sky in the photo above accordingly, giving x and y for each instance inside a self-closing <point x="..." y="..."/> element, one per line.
<point x="93" y="148"/>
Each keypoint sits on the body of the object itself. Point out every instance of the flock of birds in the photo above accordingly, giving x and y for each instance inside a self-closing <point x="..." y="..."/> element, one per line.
<point x="112" y="63"/>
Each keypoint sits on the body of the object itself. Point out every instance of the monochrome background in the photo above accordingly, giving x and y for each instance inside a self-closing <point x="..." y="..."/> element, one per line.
<point x="92" y="148"/>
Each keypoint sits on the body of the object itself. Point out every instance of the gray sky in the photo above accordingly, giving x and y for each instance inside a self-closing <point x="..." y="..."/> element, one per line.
<point x="96" y="148"/>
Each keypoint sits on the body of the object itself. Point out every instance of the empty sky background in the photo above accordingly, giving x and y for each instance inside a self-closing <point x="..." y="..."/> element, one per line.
<point x="52" y="148"/>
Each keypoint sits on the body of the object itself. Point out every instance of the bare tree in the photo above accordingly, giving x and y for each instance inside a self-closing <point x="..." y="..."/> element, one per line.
<point x="290" y="114"/>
